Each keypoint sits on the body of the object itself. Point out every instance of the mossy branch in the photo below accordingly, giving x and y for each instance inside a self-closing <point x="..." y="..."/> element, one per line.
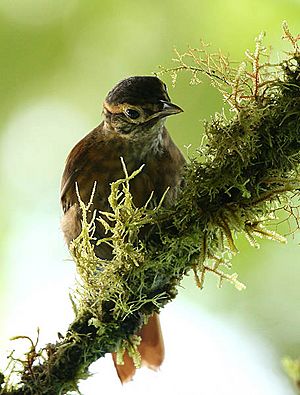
<point x="246" y="171"/>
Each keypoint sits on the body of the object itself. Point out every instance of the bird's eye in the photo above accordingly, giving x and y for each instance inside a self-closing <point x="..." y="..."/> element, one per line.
<point x="133" y="114"/>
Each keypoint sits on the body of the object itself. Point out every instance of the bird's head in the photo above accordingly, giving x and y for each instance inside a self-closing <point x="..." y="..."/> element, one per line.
<point x="138" y="105"/>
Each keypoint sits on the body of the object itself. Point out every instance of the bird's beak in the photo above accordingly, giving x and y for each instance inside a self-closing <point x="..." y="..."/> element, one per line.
<point x="169" y="109"/>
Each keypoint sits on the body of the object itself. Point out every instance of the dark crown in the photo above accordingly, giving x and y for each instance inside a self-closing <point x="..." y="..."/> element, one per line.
<point x="138" y="90"/>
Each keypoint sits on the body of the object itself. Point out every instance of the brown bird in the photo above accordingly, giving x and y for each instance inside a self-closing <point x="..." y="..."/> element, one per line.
<point x="134" y="113"/>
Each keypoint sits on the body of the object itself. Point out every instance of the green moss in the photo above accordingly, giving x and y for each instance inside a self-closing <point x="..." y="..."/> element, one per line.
<point x="292" y="368"/>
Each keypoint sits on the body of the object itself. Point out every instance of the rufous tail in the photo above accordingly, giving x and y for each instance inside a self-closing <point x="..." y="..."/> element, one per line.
<point x="151" y="349"/>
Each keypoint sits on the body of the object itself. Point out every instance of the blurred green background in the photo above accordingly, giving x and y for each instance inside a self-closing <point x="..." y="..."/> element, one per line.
<point x="58" y="59"/>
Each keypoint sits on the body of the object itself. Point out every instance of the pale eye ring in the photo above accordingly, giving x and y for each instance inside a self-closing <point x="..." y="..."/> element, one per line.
<point x="131" y="113"/>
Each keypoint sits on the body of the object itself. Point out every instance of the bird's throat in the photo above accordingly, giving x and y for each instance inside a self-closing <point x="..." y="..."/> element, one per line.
<point x="150" y="142"/>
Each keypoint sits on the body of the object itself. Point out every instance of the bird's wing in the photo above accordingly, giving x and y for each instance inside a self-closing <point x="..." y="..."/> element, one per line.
<point x="76" y="160"/>
<point x="80" y="166"/>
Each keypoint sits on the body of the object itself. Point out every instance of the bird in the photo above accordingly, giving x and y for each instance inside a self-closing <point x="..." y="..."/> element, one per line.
<point x="133" y="128"/>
